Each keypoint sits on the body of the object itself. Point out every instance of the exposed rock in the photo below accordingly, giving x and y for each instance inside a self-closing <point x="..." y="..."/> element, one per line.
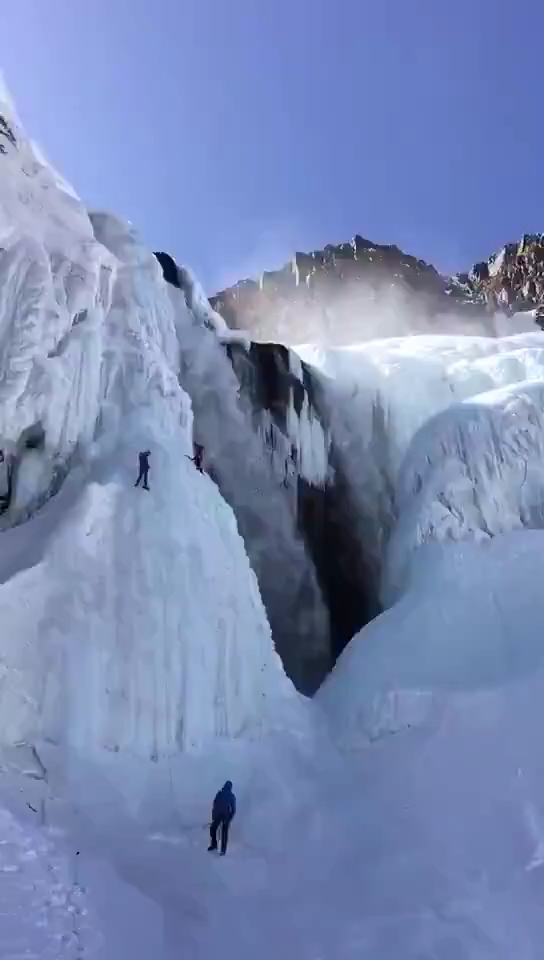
<point x="7" y="133"/>
<point x="326" y="521"/>
<point x="170" y="270"/>
<point x="322" y="506"/>
<point x="513" y="279"/>
<point x="362" y="290"/>
<point x="337" y="291"/>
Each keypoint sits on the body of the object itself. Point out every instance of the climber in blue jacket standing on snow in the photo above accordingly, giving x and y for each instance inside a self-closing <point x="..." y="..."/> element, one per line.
<point x="223" y="810"/>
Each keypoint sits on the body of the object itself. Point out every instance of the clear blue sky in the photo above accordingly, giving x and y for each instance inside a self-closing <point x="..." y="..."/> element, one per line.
<point x="232" y="132"/>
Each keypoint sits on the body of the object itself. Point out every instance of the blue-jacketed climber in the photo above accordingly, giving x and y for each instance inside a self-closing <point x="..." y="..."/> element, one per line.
<point x="223" y="810"/>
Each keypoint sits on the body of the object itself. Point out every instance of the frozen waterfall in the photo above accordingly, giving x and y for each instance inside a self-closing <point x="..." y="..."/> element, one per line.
<point x="143" y="626"/>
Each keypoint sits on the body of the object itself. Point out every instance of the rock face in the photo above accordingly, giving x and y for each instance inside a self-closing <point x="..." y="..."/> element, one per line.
<point x="257" y="414"/>
<point x="513" y="278"/>
<point x="335" y="294"/>
<point x="363" y="290"/>
<point x="323" y="508"/>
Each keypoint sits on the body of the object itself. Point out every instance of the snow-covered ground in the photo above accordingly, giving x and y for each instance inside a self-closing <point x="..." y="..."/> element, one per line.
<point x="43" y="905"/>
<point x="441" y="701"/>
<point x="400" y="815"/>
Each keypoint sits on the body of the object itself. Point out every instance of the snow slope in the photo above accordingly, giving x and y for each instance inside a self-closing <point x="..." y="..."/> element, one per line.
<point x="424" y="838"/>
<point x="443" y="695"/>
<point x="43" y="908"/>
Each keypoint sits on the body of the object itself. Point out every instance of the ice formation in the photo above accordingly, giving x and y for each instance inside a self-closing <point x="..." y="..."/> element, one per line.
<point x="148" y="596"/>
<point x="440" y="698"/>
<point x="260" y="435"/>
<point x="398" y="815"/>
<point x="378" y="395"/>
<point x="472" y="472"/>
<point x="249" y="459"/>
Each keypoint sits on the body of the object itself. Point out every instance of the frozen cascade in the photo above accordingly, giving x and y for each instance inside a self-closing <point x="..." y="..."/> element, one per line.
<point x="250" y="472"/>
<point x="147" y="596"/>
<point x="472" y="472"/>
<point x="303" y="439"/>
<point x="377" y="395"/>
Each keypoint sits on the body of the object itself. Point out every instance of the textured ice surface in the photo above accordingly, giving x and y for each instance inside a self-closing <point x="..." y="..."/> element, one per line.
<point x="378" y="395"/>
<point x="141" y="627"/>
<point x="472" y="472"/>
<point x="94" y="344"/>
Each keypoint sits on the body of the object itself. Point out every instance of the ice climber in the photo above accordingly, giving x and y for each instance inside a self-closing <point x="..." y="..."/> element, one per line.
<point x="143" y="458"/>
<point x="223" y="810"/>
<point x="197" y="459"/>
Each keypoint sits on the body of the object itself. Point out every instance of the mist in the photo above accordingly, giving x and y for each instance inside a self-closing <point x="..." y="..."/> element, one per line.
<point x="341" y="313"/>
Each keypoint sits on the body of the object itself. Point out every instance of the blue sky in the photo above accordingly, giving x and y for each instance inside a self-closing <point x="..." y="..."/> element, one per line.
<point x="231" y="132"/>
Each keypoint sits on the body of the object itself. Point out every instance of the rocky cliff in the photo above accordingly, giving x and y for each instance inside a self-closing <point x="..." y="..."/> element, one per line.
<point x="513" y="278"/>
<point x="363" y="290"/>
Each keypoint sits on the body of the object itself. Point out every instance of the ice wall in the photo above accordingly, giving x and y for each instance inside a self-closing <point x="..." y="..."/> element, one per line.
<point x="143" y="626"/>
<point x="256" y="455"/>
<point x="54" y="294"/>
<point x="472" y="472"/>
<point x="277" y="392"/>
<point x="132" y="622"/>
<point x="376" y="396"/>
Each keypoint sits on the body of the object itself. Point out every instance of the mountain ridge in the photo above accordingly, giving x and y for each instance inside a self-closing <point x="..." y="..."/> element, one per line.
<point x="321" y="292"/>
